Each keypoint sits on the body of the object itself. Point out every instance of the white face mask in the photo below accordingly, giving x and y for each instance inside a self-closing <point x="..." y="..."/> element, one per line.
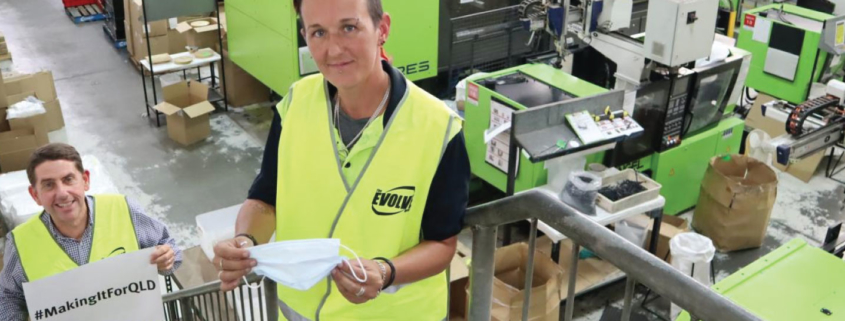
<point x="300" y="264"/>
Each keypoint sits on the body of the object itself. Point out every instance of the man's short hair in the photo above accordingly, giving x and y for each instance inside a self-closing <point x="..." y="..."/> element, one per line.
<point x="52" y="152"/>
<point x="374" y="6"/>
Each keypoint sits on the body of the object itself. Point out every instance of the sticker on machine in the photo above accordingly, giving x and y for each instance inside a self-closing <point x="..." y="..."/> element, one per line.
<point x="472" y="93"/>
<point x="750" y="21"/>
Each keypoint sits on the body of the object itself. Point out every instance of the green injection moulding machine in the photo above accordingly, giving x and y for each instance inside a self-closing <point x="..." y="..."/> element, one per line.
<point x="516" y="88"/>
<point x="794" y="282"/>
<point x="791" y="47"/>
<point x="428" y="39"/>
<point x="687" y="121"/>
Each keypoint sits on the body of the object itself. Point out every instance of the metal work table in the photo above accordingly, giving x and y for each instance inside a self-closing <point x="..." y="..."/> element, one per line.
<point x="653" y="208"/>
<point x="171" y="67"/>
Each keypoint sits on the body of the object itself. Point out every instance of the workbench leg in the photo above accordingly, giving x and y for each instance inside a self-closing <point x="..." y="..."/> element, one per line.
<point x="573" y="277"/>
<point x="146" y="99"/>
<point x="211" y="70"/>
<point x="657" y="215"/>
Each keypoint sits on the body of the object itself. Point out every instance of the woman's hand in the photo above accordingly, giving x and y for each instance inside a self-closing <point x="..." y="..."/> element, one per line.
<point x="232" y="261"/>
<point x="351" y="289"/>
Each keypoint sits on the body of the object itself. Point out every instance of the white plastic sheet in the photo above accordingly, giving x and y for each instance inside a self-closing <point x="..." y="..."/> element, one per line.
<point x="30" y="106"/>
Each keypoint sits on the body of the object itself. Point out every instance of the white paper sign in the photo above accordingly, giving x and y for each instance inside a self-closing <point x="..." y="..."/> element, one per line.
<point x="762" y="28"/>
<point x="124" y="287"/>
<point x="498" y="145"/>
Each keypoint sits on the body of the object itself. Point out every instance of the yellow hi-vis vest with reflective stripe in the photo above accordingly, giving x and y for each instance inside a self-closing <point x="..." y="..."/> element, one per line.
<point x="378" y="213"/>
<point x="114" y="234"/>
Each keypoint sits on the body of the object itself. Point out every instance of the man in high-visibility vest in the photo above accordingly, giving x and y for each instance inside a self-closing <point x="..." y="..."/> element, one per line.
<point x="74" y="229"/>
<point x="360" y="154"/>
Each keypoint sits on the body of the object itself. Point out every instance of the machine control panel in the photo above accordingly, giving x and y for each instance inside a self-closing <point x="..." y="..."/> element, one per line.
<point x="675" y="111"/>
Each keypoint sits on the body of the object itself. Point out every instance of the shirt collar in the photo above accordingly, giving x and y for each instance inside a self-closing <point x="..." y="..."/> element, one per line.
<point x="398" y="86"/>
<point x="45" y="217"/>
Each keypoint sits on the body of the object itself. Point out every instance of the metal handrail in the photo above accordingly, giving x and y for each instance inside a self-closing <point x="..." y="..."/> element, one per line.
<point x="702" y="302"/>
<point x="207" y="302"/>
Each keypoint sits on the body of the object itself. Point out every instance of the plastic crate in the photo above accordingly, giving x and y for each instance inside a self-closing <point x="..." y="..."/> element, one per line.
<point x="652" y="191"/>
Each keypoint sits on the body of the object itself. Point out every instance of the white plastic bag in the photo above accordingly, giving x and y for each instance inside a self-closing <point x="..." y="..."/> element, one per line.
<point x="691" y="254"/>
<point x="581" y="191"/>
<point x="30" y="106"/>
<point x="632" y="231"/>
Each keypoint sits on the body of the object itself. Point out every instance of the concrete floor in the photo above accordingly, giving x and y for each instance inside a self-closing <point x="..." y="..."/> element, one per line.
<point x="102" y="100"/>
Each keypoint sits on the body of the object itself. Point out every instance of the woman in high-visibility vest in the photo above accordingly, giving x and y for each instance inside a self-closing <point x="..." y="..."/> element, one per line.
<point x="360" y="154"/>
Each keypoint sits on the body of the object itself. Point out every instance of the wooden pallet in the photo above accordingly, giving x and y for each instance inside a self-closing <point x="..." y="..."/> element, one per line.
<point x="85" y="13"/>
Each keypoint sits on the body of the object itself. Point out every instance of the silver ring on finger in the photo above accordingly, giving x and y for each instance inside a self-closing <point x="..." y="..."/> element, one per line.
<point x="360" y="292"/>
<point x="221" y="264"/>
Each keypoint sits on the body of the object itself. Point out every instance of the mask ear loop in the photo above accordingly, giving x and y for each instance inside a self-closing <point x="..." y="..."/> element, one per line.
<point x="361" y="264"/>
<point x="255" y="287"/>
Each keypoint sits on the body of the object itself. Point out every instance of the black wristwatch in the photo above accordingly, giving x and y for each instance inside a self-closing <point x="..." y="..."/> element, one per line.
<point x="250" y="237"/>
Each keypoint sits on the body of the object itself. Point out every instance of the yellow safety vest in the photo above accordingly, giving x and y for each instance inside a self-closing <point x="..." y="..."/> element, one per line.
<point x="114" y="234"/>
<point x="372" y="199"/>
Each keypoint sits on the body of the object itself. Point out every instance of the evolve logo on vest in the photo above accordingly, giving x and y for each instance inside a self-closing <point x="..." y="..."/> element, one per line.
<point x="394" y="201"/>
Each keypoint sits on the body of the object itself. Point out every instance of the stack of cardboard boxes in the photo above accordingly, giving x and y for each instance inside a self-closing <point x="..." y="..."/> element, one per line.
<point x="164" y="38"/>
<point x="4" y="50"/>
<point x="20" y="137"/>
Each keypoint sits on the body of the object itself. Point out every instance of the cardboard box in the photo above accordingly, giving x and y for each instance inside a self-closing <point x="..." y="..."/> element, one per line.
<point x="55" y="116"/>
<point x="3" y="48"/>
<point x="15" y="148"/>
<point x="458" y="283"/>
<point x="187" y="108"/>
<point x="671" y="226"/>
<point x="736" y="201"/>
<point x="158" y="45"/>
<point x="2" y="37"/>
<point x="136" y="18"/>
<point x="201" y="37"/>
<point x="41" y="86"/>
<point x="177" y="41"/>
<point x="37" y="123"/>
<point x="4" y="124"/>
<point x="591" y="271"/>
<point x="509" y="285"/>
<point x="803" y="169"/>
<point x="242" y="88"/>
<point x="40" y="83"/>
<point x="130" y="43"/>
<point x="3" y="100"/>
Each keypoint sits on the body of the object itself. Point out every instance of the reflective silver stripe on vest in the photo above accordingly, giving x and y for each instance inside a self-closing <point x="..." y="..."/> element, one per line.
<point x="290" y="314"/>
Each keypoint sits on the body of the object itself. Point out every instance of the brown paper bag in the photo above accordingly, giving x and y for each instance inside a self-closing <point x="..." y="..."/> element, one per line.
<point x="736" y="201"/>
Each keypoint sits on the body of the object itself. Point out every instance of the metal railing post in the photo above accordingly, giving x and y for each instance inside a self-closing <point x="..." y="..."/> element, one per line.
<point x="639" y="265"/>
<point x="272" y="299"/>
<point x="481" y="277"/>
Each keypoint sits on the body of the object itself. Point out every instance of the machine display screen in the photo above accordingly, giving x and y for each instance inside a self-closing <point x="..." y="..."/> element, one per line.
<point x="710" y="100"/>
<point x="526" y="90"/>
<point x="681" y="86"/>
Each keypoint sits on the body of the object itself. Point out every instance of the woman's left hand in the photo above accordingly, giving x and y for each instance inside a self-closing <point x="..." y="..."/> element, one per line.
<point x="350" y="288"/>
